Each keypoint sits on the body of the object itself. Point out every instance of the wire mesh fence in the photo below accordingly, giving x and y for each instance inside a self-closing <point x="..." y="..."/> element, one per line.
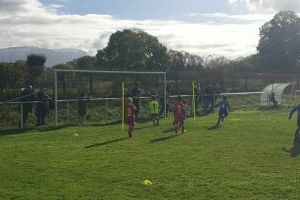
<point x="102" y="111"/>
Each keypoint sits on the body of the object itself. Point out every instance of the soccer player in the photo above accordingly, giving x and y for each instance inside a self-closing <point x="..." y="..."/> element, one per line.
<point x="297" y="133"/>
<point x="297" y="108"/>
<point x="136" y="93"/>
<point x="179" y="115"/>
<point x="130" y="116"/>
<point x="297" y="136"/>
<point x="224" y="109"/>
<point x="154" y="110"/>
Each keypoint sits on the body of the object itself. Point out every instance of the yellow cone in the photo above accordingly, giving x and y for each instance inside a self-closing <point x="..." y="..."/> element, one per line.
<point x="147" y="182"/>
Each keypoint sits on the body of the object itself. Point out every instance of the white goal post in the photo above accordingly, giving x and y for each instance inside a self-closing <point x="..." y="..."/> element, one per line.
<point x="56" y="71"/>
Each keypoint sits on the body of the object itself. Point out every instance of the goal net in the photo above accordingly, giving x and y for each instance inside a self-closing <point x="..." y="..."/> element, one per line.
<point x="99" y="97"/>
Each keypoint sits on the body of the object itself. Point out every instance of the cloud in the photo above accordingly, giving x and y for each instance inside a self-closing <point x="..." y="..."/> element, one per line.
<point x="270" y="6"/>
<point x="224" y="18"/>
<point x="30" y="23"/>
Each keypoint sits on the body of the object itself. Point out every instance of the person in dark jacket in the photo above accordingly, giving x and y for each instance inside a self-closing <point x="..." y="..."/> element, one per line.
<point x="273" y="100"/>
<point x="26" y="96"/>
<point x="42" y="108"/>
<point x="82" y="106"/>
<point x="209" y="99"/>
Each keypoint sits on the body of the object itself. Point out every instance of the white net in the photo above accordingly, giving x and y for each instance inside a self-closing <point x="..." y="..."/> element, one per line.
<point x="96" y="97"/>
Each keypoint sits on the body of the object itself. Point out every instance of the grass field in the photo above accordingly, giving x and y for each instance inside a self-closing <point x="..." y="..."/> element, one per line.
<point x="244" y="159"/>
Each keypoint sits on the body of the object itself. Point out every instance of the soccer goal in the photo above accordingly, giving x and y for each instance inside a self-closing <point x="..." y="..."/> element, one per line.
<point x="100" y="96"/>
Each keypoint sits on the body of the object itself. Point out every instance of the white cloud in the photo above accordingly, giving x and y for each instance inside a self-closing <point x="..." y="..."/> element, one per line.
<point x="29" y="23"/>
<point x="268" y="5"/>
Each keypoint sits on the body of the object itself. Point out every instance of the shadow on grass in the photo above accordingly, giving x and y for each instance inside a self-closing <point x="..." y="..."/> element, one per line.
<point x="213" y="127"/>
<point x="25" y="130"/>
<point x="163" y="138"/>
<point x="143" y="127"/>
<point x="52" y="128"/>
<point x="106" y="143"/>
<point x="294" y="151"/>
<point x="15" y="131"/>
<point x="169" y="130"/>
<point x="269" y="108"/>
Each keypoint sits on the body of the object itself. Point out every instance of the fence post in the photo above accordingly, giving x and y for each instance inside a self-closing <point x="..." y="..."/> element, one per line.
<point x="68" y="110"/>
<point x="194" y="101"/>
<point x="22" y="116"/>
<point x="106" y="111"/>
<point x="55" y="97"/>
<point x="123" y="105"/>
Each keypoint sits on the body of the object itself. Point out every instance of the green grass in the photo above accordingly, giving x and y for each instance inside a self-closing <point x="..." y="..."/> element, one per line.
<point x="243" y="159"/>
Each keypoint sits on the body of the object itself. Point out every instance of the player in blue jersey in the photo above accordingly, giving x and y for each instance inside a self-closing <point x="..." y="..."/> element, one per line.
<point x="297" y="108"/>
<point x="224" y="109"/>
<point x="297" y="133"/>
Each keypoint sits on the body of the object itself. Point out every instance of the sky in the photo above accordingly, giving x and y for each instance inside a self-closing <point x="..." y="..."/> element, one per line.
<point x="227" y="28"/>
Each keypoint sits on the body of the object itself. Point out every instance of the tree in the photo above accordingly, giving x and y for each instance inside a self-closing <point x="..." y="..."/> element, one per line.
<point x="194" y="62"/>
<point x="35" y="66"/>
<point x="279" y="45"/>
<point x="62" y="76"/>
<point x="184" y="61"/>
<point x="218" y="64"/>
<point x="12" y="75"/>
<point x="243" y="65"/>
<point x="177" y="60"/>
<point x="133" y="50"/>
<point x="86" y="63"/>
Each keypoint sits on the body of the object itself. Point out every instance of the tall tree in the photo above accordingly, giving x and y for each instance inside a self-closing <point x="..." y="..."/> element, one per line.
<point x="218" y="64"/>
<point x="12" y="74"/>
<point x="177" y="60"/>
<point x="86" y="63"/>
<point x="184" y="61"/>
<point x="62" y="75"/>
<point x="133" y="50"/>
<point x="279" y="45"/>
<point x="35" y="66"/>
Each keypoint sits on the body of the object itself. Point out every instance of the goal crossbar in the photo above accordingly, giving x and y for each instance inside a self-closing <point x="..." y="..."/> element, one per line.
<point x="56" y="71"/>
<point x="107" y="72"/>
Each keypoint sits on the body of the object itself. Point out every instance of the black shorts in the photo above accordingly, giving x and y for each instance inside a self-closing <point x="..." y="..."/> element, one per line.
<point x="298" y="121"/>
<point x="223" y="113"/>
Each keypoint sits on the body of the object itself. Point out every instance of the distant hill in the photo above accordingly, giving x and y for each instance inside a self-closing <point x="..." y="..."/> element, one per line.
<point x="54" y="56"/>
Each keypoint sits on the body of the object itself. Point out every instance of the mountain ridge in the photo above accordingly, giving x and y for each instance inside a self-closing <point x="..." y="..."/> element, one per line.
<point x="54" y="56"/>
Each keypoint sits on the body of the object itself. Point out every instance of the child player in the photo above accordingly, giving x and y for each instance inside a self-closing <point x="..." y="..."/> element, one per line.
<point x="179" y="115"/>
<point x="297" y="133"/>
<point x="154" y="110"/>
<point x="130" y="116"/>
<point x="185" y="109"/>
<point x="224" y="109"/>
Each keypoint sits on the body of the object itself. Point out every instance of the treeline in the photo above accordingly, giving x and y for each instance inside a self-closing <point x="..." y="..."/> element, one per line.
<point x="278" y="51"/>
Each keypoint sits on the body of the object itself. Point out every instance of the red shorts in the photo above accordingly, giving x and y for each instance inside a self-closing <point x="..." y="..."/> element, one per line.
<point x="179" y="121"/>
<point x="131" y="122"/>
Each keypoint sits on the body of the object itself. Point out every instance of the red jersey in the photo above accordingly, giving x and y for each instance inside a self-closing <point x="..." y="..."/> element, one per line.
<point x="179" y="111"/>
<point x="130" y="112"/>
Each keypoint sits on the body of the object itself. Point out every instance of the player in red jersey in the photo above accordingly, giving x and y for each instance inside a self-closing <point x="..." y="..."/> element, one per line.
<point x="179" y="115"/>
<point x="130" y="116"/>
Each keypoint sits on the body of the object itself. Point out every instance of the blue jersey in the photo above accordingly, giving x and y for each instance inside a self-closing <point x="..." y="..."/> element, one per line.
<point x="224" y="106"/>
<point x="297" y="108"/>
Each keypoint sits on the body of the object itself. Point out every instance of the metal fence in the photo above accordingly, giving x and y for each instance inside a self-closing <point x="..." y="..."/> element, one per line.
<point x="102" y="111"/>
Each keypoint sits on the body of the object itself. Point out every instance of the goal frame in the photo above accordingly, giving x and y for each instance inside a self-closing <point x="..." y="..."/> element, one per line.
<point x="56" y="71"/>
